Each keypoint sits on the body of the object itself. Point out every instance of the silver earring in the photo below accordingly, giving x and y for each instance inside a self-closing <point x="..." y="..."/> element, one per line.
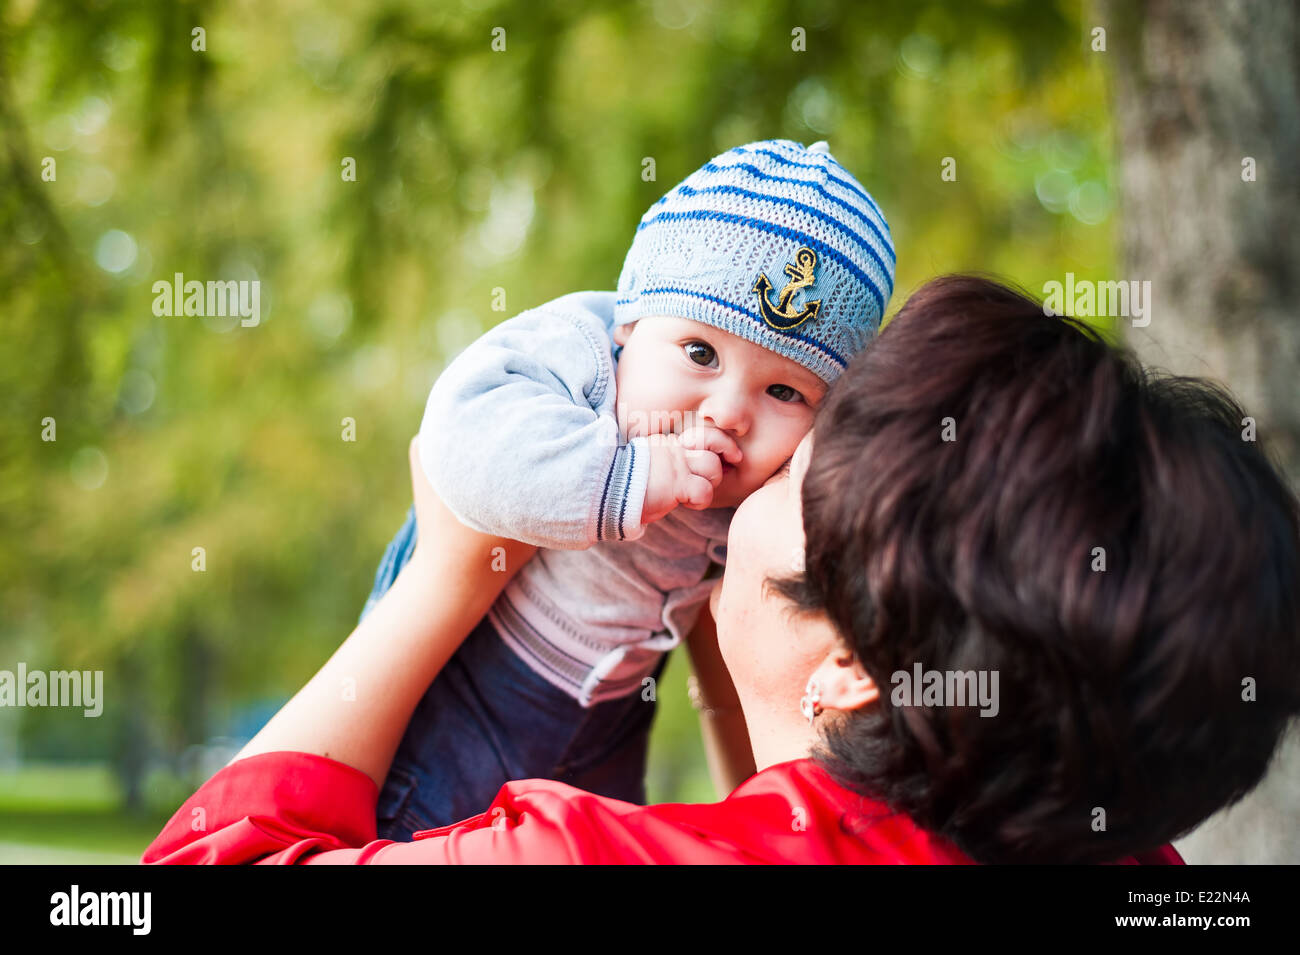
<point x="810" y="704"/>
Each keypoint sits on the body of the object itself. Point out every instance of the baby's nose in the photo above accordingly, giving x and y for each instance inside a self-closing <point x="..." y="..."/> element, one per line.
<point x="727" y="414"/>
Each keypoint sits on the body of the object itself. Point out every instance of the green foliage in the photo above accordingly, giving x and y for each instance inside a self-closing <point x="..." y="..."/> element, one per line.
<point x="476" y="170"/>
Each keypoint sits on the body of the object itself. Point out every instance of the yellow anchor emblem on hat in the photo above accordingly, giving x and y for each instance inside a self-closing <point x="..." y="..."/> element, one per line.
<point x="783" y="316"/>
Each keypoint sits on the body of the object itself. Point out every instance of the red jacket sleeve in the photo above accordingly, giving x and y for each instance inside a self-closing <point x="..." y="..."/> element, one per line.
<point x="276" y="807"/>
<point x="294" y="808"/>
<point x="286" y="808"/>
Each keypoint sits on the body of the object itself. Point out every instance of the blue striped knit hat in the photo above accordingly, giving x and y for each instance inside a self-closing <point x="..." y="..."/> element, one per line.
<point x="772" y="242"/>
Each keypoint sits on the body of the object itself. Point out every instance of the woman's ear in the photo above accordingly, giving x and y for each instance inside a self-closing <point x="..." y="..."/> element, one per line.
<point x="844" y="684"/>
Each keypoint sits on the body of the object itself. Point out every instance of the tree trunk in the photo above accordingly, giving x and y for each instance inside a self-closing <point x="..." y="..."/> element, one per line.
<point x="1199" y="88"/>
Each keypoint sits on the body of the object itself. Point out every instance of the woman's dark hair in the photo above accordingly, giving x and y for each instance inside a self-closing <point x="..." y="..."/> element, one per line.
<point x="993" y="488"/>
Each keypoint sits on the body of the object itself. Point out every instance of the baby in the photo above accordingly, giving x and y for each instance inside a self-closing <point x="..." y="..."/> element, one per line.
<point x="617" y="432"/>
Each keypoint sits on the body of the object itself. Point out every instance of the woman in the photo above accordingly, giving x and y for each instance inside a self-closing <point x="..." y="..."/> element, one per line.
<point x="1014" y="601"/>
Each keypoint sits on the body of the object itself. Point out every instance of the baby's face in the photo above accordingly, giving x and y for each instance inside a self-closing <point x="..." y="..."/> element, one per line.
<point x="675" y="372"/>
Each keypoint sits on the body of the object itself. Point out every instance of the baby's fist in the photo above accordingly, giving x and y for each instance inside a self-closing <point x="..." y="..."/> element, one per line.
<point x="685" y="469"/>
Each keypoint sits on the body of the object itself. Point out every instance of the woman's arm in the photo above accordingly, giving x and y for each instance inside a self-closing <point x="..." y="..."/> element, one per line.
<point x="722" y="723"/>
<point x="358" y="704"/>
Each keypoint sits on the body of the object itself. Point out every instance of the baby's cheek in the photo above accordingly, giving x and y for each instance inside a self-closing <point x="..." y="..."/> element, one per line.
<point x="783" y="449"/>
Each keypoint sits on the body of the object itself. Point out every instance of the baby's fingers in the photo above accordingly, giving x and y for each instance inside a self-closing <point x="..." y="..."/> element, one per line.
<point x="704" y="464"/>
<point x="697" y="492"/>
<point x="708" y="438"/>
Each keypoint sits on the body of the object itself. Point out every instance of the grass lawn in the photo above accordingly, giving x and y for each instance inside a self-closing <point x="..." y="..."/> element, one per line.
<point x="69" y="814"/>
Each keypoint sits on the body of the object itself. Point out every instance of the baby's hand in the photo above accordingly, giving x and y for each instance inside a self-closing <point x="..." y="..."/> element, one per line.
<point x="685" y="468"/>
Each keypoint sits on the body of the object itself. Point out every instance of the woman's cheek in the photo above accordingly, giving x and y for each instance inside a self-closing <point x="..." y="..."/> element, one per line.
<point x="732" y="604"/>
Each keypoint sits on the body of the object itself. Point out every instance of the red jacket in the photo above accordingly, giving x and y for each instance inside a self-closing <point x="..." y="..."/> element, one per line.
<point x="286" y="808"/>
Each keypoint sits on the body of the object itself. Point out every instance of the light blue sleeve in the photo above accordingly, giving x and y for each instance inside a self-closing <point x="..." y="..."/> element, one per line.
<point x="520" y="439"/>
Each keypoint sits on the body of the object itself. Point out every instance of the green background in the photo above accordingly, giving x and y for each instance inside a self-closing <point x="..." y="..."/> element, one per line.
<point x="476" y="170"/>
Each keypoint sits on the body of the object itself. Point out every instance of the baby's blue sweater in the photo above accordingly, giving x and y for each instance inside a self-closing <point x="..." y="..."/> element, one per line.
<point x="520" y="440"/>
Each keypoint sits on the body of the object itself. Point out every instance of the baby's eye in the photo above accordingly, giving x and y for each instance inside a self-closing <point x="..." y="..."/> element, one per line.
<point x="778" y="390"/>
<point x="706" y="351"/>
